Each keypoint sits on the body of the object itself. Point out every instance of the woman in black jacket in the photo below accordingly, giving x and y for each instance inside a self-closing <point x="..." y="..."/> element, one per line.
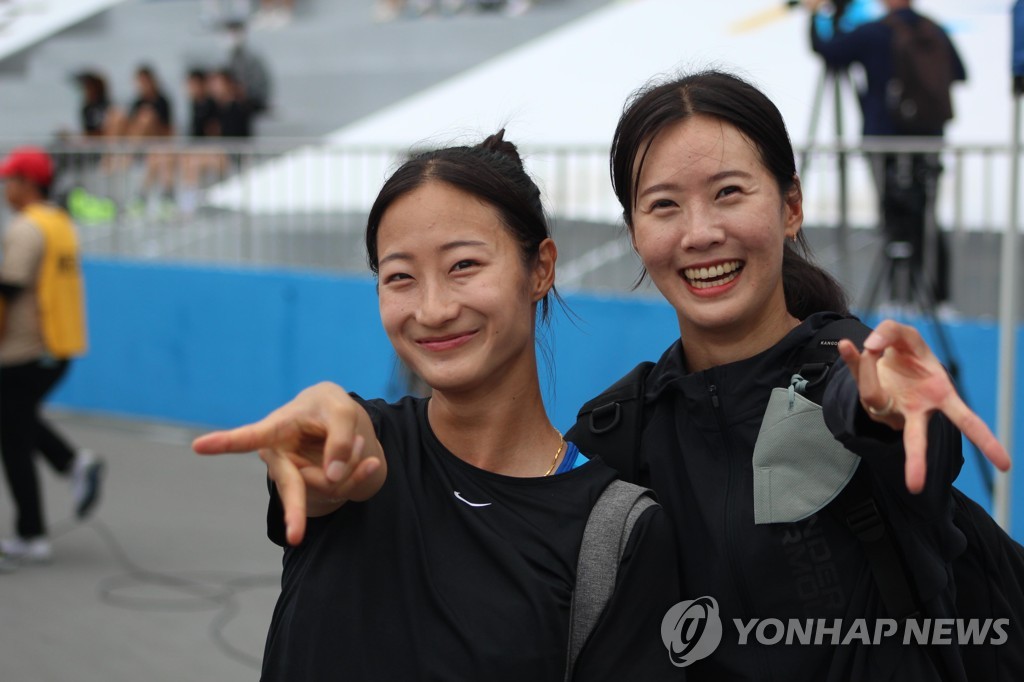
<point x="704" y="170"/>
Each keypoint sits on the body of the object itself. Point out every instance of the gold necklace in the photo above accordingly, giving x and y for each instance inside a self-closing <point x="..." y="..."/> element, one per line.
<point x="558" y="452"/>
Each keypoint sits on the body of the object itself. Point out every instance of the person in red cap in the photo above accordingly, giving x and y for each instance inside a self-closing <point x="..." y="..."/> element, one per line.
<point x="42" y="326"/>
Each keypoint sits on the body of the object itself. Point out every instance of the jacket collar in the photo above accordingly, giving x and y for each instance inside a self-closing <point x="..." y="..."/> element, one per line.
<point x="743" y="385"/>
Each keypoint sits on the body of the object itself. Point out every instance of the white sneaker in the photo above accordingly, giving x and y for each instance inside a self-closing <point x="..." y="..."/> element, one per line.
<point x="36" y="551"/>
<point x="86" y="482"/>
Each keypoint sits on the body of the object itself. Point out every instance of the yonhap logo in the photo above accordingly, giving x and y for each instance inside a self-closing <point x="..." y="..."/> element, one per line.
<point x="691" y="630"/>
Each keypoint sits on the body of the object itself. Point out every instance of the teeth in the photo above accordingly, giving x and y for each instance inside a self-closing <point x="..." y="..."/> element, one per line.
<point x="699" y="276"/>
<point x="697" y="284"/>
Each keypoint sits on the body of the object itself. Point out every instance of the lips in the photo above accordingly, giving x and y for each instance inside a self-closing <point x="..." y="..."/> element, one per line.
<point x="708" y="276"/>
<point x="447" y="342"/>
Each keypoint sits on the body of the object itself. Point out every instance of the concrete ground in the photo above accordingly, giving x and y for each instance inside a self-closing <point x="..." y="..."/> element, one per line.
<point x="172" y="579"/>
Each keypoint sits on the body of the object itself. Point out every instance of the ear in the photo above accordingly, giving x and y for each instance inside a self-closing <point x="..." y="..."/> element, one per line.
<point x="793" y="209"/>
<point x="543" y="277"/>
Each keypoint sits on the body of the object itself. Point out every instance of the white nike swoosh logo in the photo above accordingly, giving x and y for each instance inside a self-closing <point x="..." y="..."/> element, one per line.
<point x="460" y="498"/>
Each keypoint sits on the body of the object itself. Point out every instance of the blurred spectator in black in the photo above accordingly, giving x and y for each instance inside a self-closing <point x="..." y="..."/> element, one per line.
<point x="163" y="164"/>
<point x="150" y="112"/>
<point x="203" y="108"/>
<point x="208" y="164"/>
<point x="248" y="69"/>
<point x="95" y="103"/>
<point x="233" y="113"/>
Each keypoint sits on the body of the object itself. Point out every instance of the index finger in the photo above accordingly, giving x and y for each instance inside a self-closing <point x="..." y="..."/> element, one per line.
<point x="262" y="434"/>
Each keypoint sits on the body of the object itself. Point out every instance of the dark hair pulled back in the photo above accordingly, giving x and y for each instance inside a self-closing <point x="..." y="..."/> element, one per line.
<point x="493" y="172"/>
<point x="724" y="96"/>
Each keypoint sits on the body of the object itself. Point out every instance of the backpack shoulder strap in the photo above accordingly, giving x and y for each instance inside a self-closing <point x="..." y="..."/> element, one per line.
<point x="607" y="532"/>
<point x="610" y="424"/>
<point x="856" y="508"/>
<point x="822" y="351"/>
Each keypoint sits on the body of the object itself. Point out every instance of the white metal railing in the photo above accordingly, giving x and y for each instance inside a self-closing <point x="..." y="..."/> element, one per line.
<point x="303" y="202"/>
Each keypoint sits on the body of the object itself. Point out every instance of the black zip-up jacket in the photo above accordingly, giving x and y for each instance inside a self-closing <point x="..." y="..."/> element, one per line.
<point x="696" y="453"/>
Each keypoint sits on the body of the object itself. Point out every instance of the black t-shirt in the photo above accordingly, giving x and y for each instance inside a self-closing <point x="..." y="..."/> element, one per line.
<point x="160" y="106"/>
<point x="455" y="573"/>
<point x="204" y="112"/>
<point x="235" y="119"/>
<point x="94" y="115"/>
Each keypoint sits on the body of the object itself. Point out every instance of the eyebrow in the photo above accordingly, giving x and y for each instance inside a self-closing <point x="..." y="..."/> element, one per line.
<point x="449" y="246"/>
<point x="710" y="181"/>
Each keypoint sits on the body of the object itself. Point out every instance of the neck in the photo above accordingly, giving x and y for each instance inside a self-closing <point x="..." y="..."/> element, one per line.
<point x="707" y="348"/>
<point x="506" y="431"/>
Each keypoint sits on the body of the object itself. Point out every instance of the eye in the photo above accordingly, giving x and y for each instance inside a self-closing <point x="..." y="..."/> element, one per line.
<point x="661" y="204"/>
<point x="465" y="265"/>
<point x="727" y="191"/>
<point x="397" y="277"/>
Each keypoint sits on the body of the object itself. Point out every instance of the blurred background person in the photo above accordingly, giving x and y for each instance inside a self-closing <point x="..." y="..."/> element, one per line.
<point x="42" y="327"/>
<point x="163" y="166"/>
<point x="150" y="112"/>
<point x="248" y="69"/>
<point x="231" y="118"/>
<point x="906" y="183"/>
<point x="95" y="103"/>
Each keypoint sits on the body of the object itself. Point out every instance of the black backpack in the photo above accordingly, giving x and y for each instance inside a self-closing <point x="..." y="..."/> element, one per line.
<point x="917" y="96"/>
<point x="989" y="575"/>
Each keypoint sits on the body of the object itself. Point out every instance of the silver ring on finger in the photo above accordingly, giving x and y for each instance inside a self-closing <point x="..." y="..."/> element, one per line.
<point x="880" y="412"/>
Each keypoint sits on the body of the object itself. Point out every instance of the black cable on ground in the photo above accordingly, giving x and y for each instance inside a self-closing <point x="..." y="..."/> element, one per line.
<point x="180" y="591"/>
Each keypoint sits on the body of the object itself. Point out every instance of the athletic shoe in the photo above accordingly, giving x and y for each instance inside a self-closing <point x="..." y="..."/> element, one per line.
<point x="35" y="551"/>
<point x="86" y="482"/>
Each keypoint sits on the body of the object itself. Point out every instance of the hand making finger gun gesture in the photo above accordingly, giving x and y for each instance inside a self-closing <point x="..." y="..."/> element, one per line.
<point x="320" y="450"/>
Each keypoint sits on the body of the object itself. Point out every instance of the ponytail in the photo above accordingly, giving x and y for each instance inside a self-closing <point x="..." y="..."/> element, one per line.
<point x="808" y="288"/>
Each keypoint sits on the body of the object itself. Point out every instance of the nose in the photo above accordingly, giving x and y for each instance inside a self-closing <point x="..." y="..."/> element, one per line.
<point x="702" y="230"/>
<point x="437" y="306"/>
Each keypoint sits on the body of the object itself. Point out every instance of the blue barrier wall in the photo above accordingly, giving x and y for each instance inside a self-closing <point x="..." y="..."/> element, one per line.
<point x="220" y="347"/>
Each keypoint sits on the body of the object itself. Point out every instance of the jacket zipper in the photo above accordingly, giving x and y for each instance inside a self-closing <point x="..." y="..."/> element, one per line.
<point x="732" y="522"/>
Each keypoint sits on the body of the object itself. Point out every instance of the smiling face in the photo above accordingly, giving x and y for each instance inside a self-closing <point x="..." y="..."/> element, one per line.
<point x="710" y="224"/>
<point x="456" y="298"/>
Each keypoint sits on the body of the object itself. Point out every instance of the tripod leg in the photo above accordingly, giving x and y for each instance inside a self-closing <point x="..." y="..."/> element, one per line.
<point x="881" y="271"/>
<point x="812" y="129"/>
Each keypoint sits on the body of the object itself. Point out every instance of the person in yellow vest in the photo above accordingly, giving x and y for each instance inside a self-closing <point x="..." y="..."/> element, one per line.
<point x="42" y="327"/>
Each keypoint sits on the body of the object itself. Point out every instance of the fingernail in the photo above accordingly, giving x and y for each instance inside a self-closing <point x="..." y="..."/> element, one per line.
<point x="875" y="342"/>
<point x="336" y="470"/>
<point x="372" y="465"/>
<point x="357" y="446"/>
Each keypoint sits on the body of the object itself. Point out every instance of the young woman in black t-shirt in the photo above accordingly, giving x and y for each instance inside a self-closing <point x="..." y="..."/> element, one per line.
<point x="437" y="538"/>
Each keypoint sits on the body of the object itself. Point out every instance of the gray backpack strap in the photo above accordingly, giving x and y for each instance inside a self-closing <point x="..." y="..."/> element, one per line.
<point x="604" y="541"/>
